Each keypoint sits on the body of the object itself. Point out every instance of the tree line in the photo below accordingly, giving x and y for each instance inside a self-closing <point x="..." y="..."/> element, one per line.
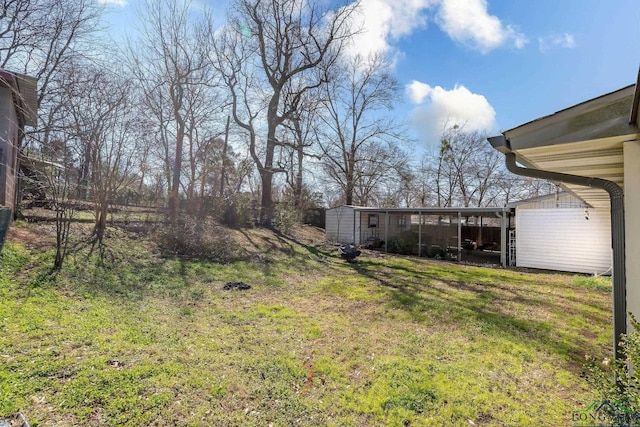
<point x="191" y="109"/>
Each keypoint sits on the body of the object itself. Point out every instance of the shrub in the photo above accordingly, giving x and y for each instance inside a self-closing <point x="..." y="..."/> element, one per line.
<point x="238" y="211"/>
<point x="285" y="217"/>
<point x="621" y="383"/>
<point x="436" y="251"/>
<point x="188" y="238"/>
<point x="405" y="244"/>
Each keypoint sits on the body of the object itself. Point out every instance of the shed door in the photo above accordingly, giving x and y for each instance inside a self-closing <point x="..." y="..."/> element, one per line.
<point x="564" y="240"/>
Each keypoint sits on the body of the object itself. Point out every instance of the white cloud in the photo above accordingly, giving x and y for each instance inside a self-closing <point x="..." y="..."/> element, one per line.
<point x="113" y="2"/>
<point x="440" y="108"/>
<point x="418" y="91"/>
<point x="469" y="22"/>
<point x="384" y="21"/>
<point x="564" y="40"/>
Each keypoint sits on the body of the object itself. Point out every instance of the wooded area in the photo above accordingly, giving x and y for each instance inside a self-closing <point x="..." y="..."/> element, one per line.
<point x="210" y="116"/>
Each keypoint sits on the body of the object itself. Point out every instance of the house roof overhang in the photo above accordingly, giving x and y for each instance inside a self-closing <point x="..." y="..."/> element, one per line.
<point x="25" y="95"/>
<point x="585" y="140"/>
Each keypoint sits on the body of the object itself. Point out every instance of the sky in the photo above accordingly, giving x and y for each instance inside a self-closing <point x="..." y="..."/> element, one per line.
<point x="490" y="64"/>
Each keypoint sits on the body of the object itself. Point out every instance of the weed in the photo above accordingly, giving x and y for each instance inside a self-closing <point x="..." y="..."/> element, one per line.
<point x="600" y="283"/>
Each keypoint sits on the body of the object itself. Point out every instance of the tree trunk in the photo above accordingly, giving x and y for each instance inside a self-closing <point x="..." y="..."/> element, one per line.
<point x="101" y="221"/>
<point x="224" y="157"/>
<point x="351" y="168"/>
<point x="177" y="164"/>
<point x="298" y="184"/>
<point x="266" y="174"/>
<point x="297" y="190"/>
<point x="266" y="202"/>
<point x="83" y="181"/>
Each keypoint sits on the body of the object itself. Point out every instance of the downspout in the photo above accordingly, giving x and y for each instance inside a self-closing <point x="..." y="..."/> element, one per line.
<point x="616" y="196"/>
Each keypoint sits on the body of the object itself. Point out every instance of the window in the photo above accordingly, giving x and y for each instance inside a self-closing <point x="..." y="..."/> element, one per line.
<point x="373" y="220"/>
<point x="402" y="221"/>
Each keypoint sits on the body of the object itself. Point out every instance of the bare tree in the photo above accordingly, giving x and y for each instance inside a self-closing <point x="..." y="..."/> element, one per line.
<point x="267" y="45"/>
<point x="299" y="141"/>
<point x="102" y="121"/>
<point x="465" y="171"/>
<point x="359" y="144"/>
<point x="169" y="63"/>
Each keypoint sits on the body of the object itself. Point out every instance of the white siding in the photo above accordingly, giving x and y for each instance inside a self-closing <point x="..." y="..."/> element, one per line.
<point x="632" y="224"/>
<point x="563" y="240"/>
<point x="339" y="224"/>
<point x="562" y="200"/>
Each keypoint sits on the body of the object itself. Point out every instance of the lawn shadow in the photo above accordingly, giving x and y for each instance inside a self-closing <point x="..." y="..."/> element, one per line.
<point x="521" y="308"/>
<point x="124" y="276"/>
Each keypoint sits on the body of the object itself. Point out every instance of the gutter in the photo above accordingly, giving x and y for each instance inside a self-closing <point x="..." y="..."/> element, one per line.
<point x="616" y="196"/>
<point x="633" y="118"/>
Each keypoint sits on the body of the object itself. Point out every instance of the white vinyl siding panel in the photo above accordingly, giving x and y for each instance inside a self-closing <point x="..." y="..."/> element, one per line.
<point x="339" y="225"/>
<point x="563" y="240"/>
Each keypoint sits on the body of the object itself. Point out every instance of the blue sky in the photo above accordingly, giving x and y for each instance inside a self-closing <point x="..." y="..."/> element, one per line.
<point x="493" y="64"/>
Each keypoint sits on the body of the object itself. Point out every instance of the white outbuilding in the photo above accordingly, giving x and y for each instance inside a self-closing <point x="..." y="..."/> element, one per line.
<point x="561" y="232"/>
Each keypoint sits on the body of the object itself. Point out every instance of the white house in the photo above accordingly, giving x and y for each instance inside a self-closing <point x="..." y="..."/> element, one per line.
<point x="561" y="232"/>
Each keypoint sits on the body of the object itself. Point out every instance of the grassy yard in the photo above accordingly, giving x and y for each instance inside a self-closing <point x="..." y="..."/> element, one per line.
<point x="142" y="340"/>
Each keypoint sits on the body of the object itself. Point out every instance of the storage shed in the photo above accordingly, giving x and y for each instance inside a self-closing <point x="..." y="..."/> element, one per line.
<point x="340" y="225"/>
<point x="561" y="232"/>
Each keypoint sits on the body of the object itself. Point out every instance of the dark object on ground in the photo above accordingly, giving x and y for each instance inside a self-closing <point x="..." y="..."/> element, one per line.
<point x="349" y="252"/>
<point x="15" y="420"/>
<point x="241" y="286"/>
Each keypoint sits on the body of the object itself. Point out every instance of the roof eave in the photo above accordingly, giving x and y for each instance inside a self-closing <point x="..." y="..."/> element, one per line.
<point x="602" y="117"/>
<point x="635" y="107"/>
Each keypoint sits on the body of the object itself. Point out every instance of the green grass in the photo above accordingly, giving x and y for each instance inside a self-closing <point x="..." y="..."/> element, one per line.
<point x="142" y="340"/>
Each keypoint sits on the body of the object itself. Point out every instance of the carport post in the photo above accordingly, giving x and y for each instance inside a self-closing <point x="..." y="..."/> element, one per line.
<point x="419" y="233"/>
<point x="355" y="212"/>
<point x="503" y="239"/>
<point x="459" y="236"/>
<point x="386" y="230"/>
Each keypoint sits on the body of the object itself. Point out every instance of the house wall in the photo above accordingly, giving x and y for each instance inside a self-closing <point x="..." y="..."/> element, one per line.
<point x="562" y="239"/>
<point x="631" y="151"/>
<point x="8" y="148"/>
<point x="339" y="225"/>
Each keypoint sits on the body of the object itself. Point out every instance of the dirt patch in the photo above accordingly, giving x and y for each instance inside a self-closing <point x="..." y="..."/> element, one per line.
<point x="40" y="238"/>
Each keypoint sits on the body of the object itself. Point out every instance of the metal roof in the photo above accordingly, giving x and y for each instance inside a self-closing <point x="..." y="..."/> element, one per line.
<point x="431" y="210"/>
